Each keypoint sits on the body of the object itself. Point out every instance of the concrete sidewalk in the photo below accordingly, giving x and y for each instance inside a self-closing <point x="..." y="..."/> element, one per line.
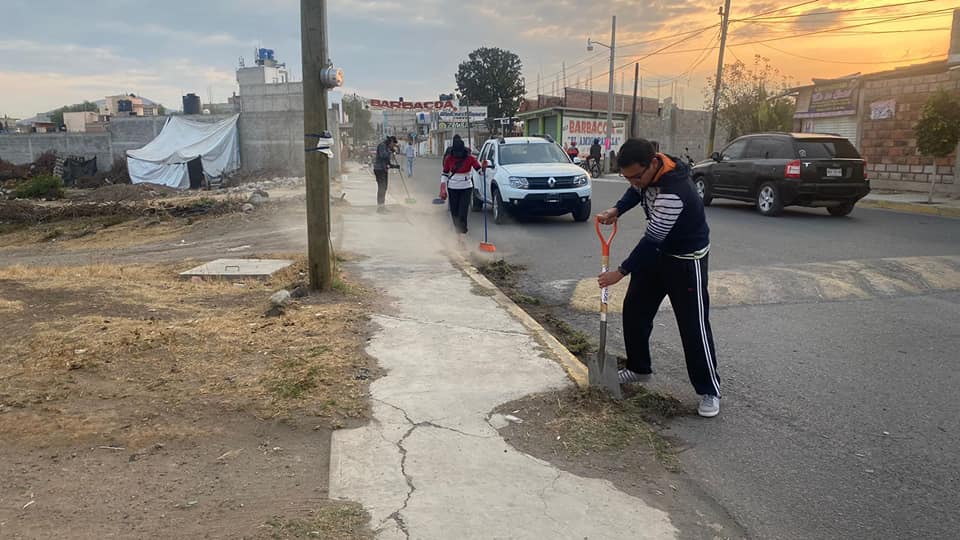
<point x="915" y="203"/>
<point x="430" y="464"/>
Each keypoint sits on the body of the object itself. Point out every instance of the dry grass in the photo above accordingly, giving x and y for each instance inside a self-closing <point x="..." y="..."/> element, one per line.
<point x="133" y="353"/>
<point x="588" y="421"/>
<point x="335" y="521"/>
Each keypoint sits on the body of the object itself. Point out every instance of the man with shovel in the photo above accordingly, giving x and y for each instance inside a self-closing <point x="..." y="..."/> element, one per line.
<point x="670" y="260"/>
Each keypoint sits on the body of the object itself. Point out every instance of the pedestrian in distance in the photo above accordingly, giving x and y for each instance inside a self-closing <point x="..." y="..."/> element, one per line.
<point x="670" y="260"/>
<point x="573" y="151"/>
<point x="411" y="153"/>
<point x="456" y="183"/>
<point x="382" y="162"/>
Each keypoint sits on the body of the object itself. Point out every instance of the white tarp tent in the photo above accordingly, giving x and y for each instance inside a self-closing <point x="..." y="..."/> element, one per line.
<point x="164" y="160"/>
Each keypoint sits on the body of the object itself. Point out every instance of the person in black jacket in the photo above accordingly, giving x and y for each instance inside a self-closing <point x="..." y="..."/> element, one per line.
<point x="670" y="260"/>
<point x="382" y="163"/>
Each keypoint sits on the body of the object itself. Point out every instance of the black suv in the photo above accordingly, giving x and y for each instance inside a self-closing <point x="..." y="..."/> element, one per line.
<point x="774" y="170"/>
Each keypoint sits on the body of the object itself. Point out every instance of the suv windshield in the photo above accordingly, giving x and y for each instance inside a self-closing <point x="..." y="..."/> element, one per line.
<point x="827" y="149"/>
<point x="512" y="154"/>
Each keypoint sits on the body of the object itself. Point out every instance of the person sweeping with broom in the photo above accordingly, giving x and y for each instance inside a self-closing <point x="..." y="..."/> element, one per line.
<point x="456" y="183"/>
<point x="670" y="260"/>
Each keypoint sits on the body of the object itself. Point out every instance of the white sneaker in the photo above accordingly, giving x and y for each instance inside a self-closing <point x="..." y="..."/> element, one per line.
<point x="629" y="377"/>
<point x="709" y="406"/>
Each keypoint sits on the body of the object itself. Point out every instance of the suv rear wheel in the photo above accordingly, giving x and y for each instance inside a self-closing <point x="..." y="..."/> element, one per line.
<point x="840" y="210"/>
<point x="769" y="202"/>
<point x="499" y="212"/>
<point x="703" y="189"/>
<point x="582" y="212"/>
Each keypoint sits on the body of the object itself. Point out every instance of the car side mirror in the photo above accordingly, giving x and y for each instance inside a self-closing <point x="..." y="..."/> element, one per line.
<point x="487" y="164"/>
<point x="716" y="157"/>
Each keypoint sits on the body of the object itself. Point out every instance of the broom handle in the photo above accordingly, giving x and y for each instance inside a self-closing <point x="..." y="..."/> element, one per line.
<point x="484" y="204"/>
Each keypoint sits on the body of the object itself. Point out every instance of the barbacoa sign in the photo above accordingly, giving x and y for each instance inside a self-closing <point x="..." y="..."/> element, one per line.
<point x="412" y="105"/>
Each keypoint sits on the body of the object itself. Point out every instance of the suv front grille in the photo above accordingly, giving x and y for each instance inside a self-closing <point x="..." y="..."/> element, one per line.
<point x="563" y="182"/>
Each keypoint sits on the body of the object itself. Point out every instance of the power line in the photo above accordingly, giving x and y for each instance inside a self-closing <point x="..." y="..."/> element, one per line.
<point x="653" y="40"/>
<point x="833" y="11"/>
<point x="777" y="10"/>
<point x="854" y="63"/>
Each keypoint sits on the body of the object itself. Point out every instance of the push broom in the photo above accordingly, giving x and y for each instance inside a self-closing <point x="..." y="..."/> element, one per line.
<point x="409" y="199"/>
<point x="486" y="245"/>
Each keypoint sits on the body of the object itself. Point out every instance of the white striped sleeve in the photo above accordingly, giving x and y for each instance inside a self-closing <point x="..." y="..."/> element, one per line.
<point x="666" y="210"/>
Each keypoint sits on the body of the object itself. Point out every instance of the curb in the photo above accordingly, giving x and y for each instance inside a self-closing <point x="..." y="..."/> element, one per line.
<point x="570" y="363"/>
<point x="912" y="208"/>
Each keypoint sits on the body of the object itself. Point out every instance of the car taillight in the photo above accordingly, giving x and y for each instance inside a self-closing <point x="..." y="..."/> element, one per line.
<point x="792" y="170"/>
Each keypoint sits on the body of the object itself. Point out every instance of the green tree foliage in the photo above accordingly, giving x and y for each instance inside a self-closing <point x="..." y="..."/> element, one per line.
<point x="752" y="98"/>
<point x="56" y="116"/>
<point x="492" y="77"/>
<point x="359" y="115"/>
<point x="938" y="130"/>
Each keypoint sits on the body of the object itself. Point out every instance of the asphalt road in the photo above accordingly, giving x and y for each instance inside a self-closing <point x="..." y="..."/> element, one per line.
<point x="841" y="416"/>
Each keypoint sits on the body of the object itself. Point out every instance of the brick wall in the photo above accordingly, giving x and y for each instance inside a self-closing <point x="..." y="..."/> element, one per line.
<point x="890" y="145"/>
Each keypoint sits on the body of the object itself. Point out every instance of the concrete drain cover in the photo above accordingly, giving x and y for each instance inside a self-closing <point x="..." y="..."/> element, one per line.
<point x="238" y="268"/>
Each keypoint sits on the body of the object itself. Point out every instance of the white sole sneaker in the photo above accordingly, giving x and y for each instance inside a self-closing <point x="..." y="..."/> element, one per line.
<point x="709" y="406"/>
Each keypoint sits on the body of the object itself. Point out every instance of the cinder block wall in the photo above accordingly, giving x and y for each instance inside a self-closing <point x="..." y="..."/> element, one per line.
<point x="890" y="145"/>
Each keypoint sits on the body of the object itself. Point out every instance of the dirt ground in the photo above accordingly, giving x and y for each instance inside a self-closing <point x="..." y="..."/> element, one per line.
<point x="135" y="404"/>
<point x="627" y="442"/>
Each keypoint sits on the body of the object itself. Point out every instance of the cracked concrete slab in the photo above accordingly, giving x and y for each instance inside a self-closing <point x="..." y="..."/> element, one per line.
<point x="430" y="465"/>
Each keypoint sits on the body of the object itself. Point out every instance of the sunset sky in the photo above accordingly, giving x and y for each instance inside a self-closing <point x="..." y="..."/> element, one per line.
<point x="55" y="52"/>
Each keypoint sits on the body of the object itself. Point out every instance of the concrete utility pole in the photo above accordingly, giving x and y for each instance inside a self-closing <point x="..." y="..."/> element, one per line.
<point x="633" y="109"/>
<point x="313" y="43"/>
<point x="718" y="83"/>
<point x="613" y="55"/>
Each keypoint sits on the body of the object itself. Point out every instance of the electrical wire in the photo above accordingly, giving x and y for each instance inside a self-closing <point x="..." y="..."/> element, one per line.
<point x="831" y="12"/>
<point x="928" y="57"/>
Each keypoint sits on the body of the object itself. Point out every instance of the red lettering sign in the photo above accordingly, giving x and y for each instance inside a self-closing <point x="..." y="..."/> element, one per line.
<point x="411" y="105"/>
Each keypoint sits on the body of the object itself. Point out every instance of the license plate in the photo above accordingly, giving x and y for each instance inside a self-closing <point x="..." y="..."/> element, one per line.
<point x="834" y="173"/>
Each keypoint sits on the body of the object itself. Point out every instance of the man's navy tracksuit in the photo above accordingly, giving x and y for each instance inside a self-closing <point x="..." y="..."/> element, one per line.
<point x="670" y="260"/>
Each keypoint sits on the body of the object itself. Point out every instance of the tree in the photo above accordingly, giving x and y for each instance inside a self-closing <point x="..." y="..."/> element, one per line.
<point x="753" y="98"/>
<point x="938" y="130"/>
<point x="56" y="116"/>
<point x="359" y="116"/>
<point x="492" y="77"/>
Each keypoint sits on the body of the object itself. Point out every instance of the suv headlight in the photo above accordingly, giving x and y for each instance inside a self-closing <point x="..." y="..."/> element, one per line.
<point x="519" y="182"/>
<point x="581" y="180"/>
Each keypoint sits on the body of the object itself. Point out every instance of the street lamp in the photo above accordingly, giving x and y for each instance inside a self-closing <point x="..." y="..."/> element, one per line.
<point x="613" y="53"/>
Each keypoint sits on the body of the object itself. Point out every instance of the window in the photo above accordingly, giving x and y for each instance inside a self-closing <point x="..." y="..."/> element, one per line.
<point x="485" y="152"/>
<point x="826" y="149"/>
<point x="735" y="151"/>
<point x="512" y="154"/>
<point x="769" y="148"/>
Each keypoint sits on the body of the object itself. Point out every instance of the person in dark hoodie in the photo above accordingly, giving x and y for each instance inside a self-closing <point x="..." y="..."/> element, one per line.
<point x="670" y="260"/>
<point x="382" y="163"/>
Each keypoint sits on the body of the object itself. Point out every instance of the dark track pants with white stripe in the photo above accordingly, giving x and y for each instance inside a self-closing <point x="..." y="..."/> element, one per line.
<point x="685" y="282"/>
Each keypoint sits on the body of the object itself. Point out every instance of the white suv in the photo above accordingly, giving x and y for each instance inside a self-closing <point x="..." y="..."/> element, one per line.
<point x="530" y="175"/>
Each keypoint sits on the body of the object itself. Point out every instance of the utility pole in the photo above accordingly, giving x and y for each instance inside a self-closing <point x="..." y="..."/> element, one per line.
<point x="313" y="42"/>
<point x="725" y="13"/>
<point x="633" y="109"/>
<point x="564" y="74"/>
<point x="613" y="55"/>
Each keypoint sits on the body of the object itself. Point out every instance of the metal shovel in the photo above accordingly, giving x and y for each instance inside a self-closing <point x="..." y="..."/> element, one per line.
<point x="601" y="372"/>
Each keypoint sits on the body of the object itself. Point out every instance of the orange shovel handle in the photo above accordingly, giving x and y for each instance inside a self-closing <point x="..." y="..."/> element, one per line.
<point x="605" y="241"/>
